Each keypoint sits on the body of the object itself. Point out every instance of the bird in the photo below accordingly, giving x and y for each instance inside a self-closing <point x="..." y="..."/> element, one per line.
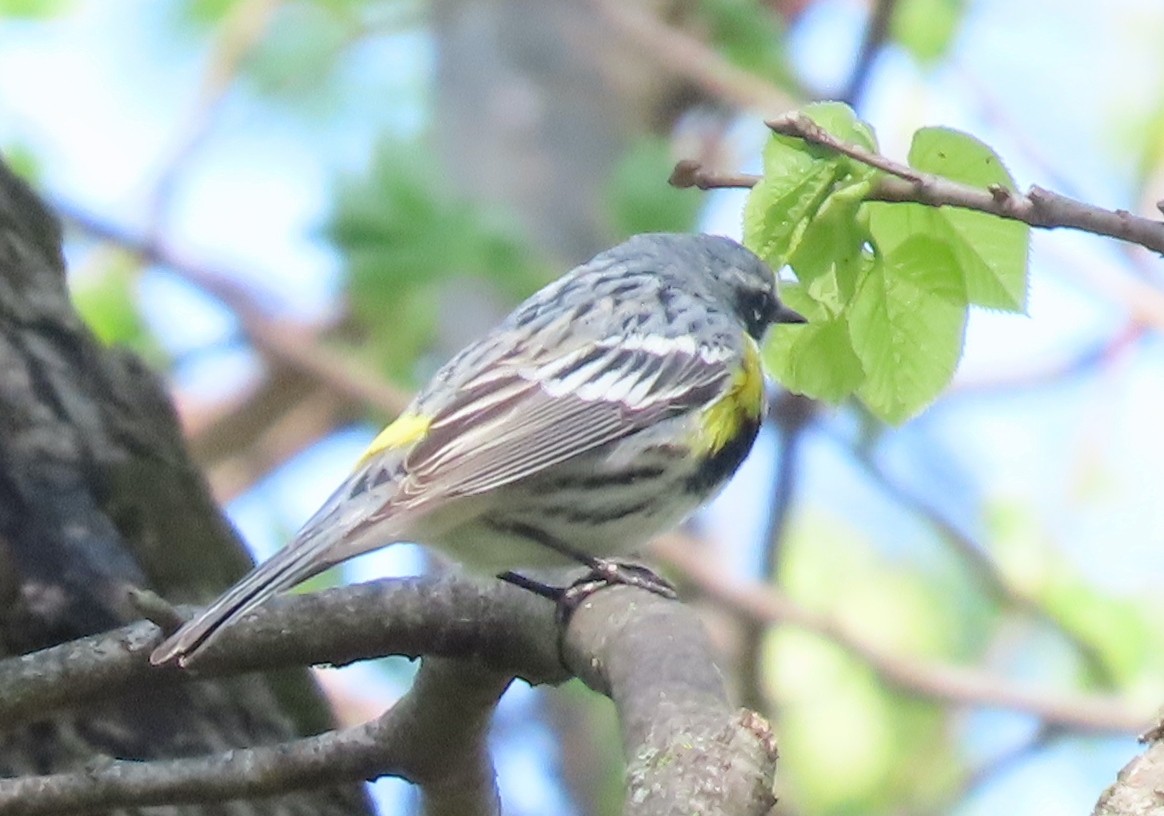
<point x="601" y="412"/>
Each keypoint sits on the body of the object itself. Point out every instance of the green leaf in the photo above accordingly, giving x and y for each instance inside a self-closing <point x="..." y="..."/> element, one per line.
<point x="800" y="181"/>
<point x="885" y="286"/>
<point x="205" y="13"/>
<point x="841" y="121"/>
<point x="815" y="359"/>
<point x="780" y="207"/>
<point x="830" y="255"/>
<point x="926" y="27"/>
<point x="907" y="323"/>
<point x="991" y="252"/>
<point x="640" y="200"/>
<point x="299" y="58"/>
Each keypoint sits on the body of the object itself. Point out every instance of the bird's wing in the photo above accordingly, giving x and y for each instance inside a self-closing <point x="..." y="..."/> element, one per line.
<point x="518" y="418"/>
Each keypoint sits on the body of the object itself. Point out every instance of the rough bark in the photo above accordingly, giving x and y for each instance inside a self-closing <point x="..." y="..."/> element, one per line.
<point x="1139" y="788"/>
<point x="97" y="494"/>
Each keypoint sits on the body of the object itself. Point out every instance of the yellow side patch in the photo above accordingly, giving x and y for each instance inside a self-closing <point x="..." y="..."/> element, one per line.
<point x="402" y="432"/>
<point x="742" y="403"/>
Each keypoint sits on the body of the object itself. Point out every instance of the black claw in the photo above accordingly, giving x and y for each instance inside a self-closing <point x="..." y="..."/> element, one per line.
<point x="552" y="593"/>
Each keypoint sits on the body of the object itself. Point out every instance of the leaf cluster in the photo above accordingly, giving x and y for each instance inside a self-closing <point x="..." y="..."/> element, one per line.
<point x="886" y="286"/>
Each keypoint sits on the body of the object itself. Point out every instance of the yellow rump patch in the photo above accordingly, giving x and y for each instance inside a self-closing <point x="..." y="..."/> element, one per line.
<point x="402" y="432"/>
<point x="742" y="403"/>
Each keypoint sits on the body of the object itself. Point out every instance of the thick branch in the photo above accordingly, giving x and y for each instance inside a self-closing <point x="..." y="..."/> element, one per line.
<point x="1137" y="789"/>
<point x="684" y="742"/>
<point x="450" y="616"/>
<point x="688" y="749"/>
<point x="434" y="736"/>
<point x="96" y="492"/>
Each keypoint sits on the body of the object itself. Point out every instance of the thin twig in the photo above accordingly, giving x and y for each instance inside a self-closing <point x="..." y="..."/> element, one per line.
<point x="791" y="415"/>
<point x="690" y="173"/>
<point x="277" y="339"/>
<point x="876" y="33"/>
<point x="1048" y="374"/>
<point x="932" y="679"/>
<point x="318" y="416"/>
<point x="979" y="777"/>
<point x="1038" y="208"/>
<point x="242" y="30"/>
<point x="692" y="59"/>
<point x="990" y="578"/>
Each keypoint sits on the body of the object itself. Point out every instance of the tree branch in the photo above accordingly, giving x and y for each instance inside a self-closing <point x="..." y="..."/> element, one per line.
<point x="434" y="736"/>
<point x="96" y="492"/>
<point x="648" y="654"/>
<point x="450" y="615"/>
<point x="975" y="557"/>
<point x="1136" y="791"/>
<point x="274" y="338"/>
<point x="938" y="681"/>
<point x="876" y="33"/>
<point x="688" y="750"/>
<point x="692" y="59"/>
<point x="1037" y="208"/>
<point x="242" y="31"/>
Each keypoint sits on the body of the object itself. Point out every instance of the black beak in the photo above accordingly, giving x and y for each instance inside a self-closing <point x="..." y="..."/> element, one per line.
<point x="786" y="315"/>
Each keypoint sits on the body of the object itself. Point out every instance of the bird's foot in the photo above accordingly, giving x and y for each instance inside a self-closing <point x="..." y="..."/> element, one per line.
<point x="603" y="573"/>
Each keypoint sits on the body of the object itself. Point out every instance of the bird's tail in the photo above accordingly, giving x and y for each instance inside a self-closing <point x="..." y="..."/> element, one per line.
<point x="312" y="551"/>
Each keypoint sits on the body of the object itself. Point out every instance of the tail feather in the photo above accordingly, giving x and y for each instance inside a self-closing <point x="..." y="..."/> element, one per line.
<point x="352" y="521"/>
<point x="297" y="562"/>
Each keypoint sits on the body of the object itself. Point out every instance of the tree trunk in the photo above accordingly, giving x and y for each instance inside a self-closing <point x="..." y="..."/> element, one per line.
<point x="97" y="494"/>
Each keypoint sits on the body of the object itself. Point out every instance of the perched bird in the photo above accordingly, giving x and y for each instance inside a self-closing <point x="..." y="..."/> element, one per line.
<point x="601" y="412"/>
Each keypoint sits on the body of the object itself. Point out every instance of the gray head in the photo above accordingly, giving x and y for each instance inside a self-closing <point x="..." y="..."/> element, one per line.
<point x="729" y="272"/>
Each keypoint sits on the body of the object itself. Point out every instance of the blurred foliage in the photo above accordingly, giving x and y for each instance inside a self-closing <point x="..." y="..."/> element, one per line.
<point x="206" y="13"/>
<point x="594" y="726"/>
<point x="300" y="55"/>
<point x="1119" y="632"/>
<point x="33" y="9"/>
<point x="403" y="236"/>
<point x="638" y="198"/>
<point x="308" y="54"/>
<point x="209" y="14"/>
<point x="926" y="28"/>
<point x="849" y="742"/>
<point x="105" y="295"/>
<point x="750" y="35"/>
<point x="22" y="160"/>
